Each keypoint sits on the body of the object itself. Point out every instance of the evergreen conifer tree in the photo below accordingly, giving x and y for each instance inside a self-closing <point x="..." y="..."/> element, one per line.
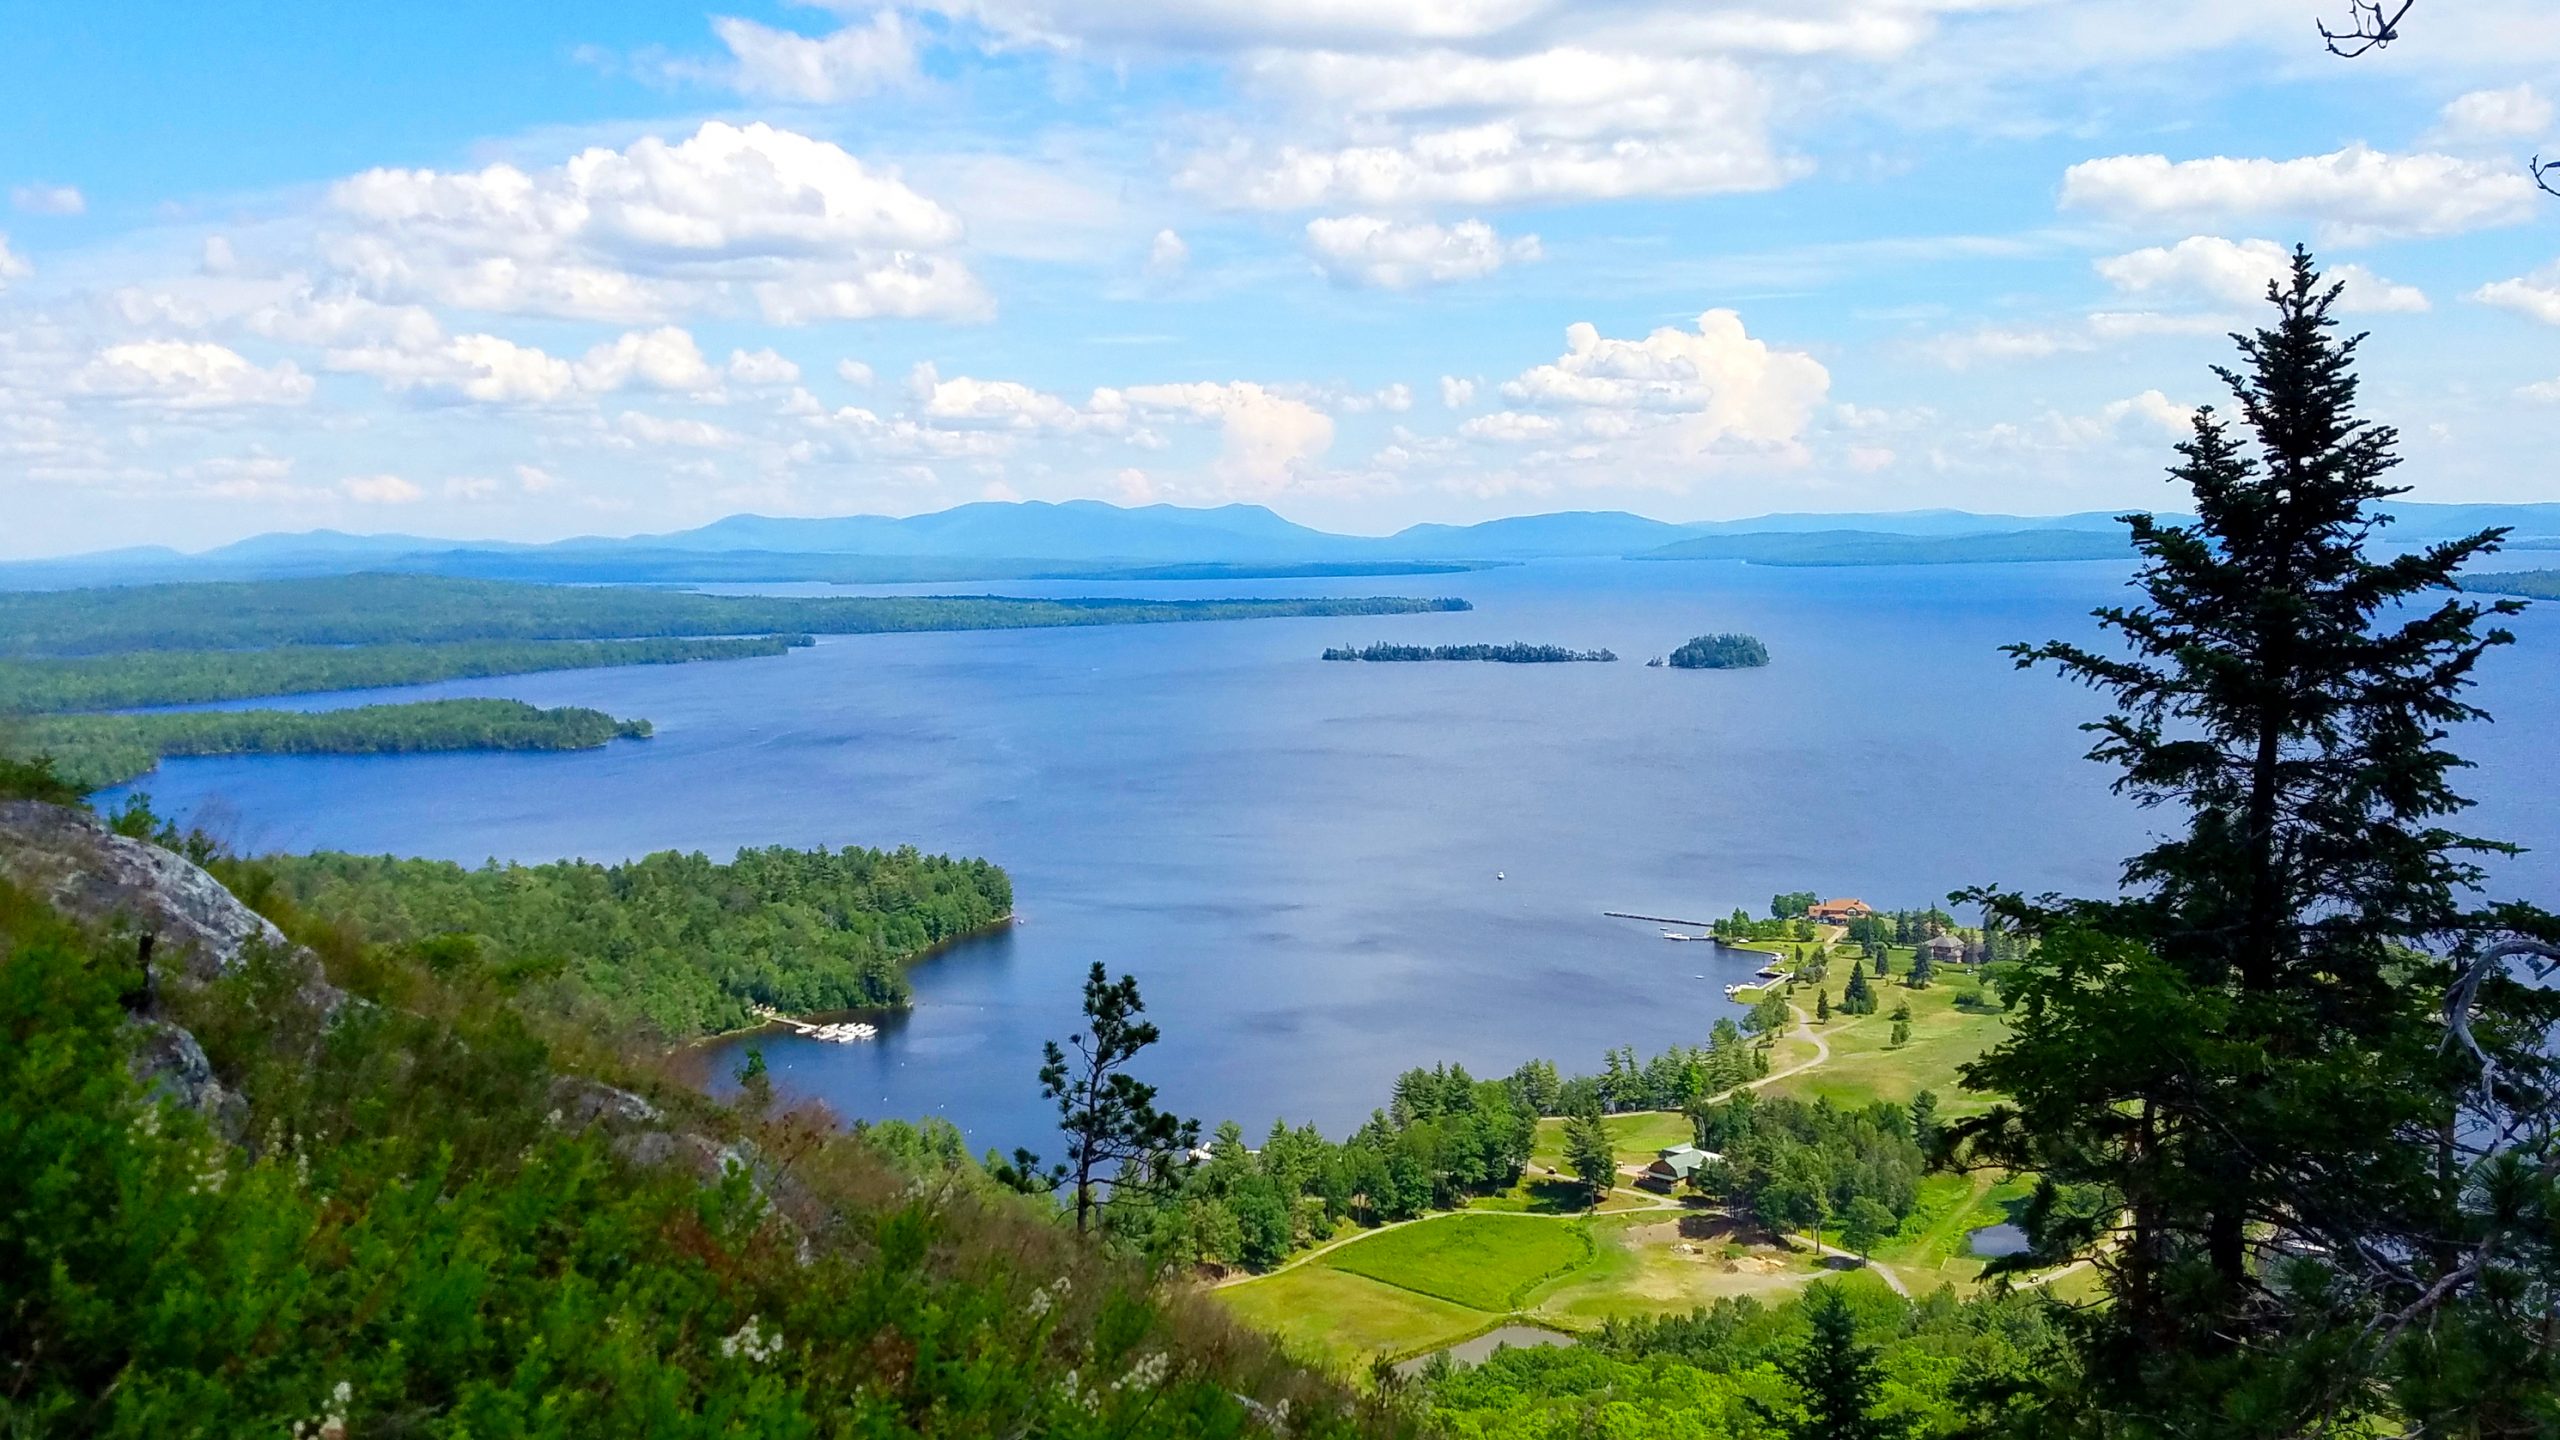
<point x="2245" y="1057"/>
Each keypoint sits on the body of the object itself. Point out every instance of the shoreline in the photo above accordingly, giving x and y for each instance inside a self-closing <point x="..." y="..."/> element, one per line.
<point x="1002" y="922"/>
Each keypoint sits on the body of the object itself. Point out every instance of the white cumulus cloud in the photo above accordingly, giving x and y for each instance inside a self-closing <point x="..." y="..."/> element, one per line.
<point x="1691" y="392"/>
<point x="191" y="375"/>
<point x="842" y="65"/>
<point x="762" y="367"/>
<point x="1268" y="440"/>
<point x="2217" y="271"/>
<point x="2490" y="117"/>
<point x="1367" y="250"/>
<point x="2536" y="295"/>
<point x="662" y="359"/>
<point x="2354" y="194"/>
<point x="800" y="226"/>
<point x="13" y="266"/>
<point x="1457" y="392"/>
<point x="1167" y="255"/>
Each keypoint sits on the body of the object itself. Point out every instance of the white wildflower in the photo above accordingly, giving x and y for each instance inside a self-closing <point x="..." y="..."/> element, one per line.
<point x="1147" y="1374"/>
<point x="1073" y="1391"/>
<point x="147" y="1124"/>
<point x="553" y="1119"/>
<point x="209" y="1179"/>
<point x="332" y="1424"/>
<point x="754" y="1342"/>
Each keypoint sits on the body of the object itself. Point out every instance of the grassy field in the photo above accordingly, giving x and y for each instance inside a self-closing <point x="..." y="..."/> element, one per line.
<point x="1335" y="1316"/>
<point x="1423" y="1286"/>
<point x="1864" y="1067"/>
<point x="1636" y="1136"/>
<point x="1484" y="1262"/>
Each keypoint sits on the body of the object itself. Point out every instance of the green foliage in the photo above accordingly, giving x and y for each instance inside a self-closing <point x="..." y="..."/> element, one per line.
<point x="1115" y="1134"/>
<point x="421" y="609"/>
<point x="1517" y="653"/>
<point x="1858" y="997"/>
<point x="1715" y="1373"/>
<point x="412" y="1245"/>
<point x="679" y="943"/>
<point x="1588" y="1153"/>
<point x="37" y="777"/>
<point x="187" y="677"/>
<point x="2238" y="1081"/>
<point x="1837" y="1382"/>
<point x="1720" y="652"/>
<point x="95" y="751"/>
<point x="1791" y="904"/>
<point x="1796" y="1165"/>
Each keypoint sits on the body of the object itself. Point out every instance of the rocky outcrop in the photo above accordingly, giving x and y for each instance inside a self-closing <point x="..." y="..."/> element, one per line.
<point x="172" y="1066"/>
<point x="72" y="861"/>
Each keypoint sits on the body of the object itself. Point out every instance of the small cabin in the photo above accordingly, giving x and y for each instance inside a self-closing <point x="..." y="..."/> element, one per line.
<point x="1943" y="950"/>
<point x="1674" y="1164"/>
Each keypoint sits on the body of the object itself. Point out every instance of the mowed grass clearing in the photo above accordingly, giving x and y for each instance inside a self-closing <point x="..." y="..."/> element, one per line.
<point x="1864" y="1067"/>
<point x="1486" y="1262"/>
<point x="1338" y="1317"/>
<point x="1636" y="1135"/>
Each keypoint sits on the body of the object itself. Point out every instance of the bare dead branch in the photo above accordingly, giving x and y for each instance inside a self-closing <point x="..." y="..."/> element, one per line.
<point x="2370" y="27"/>
<point x="2543" y="173"/>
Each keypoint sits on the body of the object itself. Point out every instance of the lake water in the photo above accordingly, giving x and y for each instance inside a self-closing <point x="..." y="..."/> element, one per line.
<point x="1299" y="859"/>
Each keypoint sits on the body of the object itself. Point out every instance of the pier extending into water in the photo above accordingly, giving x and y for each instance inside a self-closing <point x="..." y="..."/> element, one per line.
<point x="1656" y="919"/>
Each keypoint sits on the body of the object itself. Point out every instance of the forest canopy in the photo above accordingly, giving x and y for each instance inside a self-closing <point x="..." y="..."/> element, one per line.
<point x="1721" y="652"/>
<point x="96" y="751"/>
<point x="192" y="677"/>
<point x="679" y="943"/>
<point x="422" y="609"/>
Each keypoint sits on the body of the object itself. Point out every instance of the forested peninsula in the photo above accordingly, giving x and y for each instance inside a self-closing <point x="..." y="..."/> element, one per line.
<point x="193" y="677"/>
<point x="95" y="751"/>
<point x="1513" y="654"/>
<point x="677" y="943"/>
<point x="2532" y="584"/>
<point x="426" y="609"/>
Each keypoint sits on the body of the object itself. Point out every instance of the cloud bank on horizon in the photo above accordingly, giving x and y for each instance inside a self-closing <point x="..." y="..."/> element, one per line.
<point x="525" y="275"/>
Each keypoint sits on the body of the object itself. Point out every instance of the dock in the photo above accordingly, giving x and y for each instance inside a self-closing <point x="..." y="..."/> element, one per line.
<point x="1658" y="919"/>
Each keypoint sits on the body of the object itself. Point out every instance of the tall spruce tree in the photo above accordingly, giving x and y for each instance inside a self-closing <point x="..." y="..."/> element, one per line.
<point x="2243" y="1060"/>
<point x="1835" y="1376"/>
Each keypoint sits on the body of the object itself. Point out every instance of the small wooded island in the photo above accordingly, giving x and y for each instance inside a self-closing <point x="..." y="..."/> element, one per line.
<point x="1516" y="653"/>
<point x="1721" y="652"/>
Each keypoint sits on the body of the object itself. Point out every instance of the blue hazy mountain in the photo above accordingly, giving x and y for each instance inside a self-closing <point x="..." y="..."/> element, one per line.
<point x="1089" y="538"/>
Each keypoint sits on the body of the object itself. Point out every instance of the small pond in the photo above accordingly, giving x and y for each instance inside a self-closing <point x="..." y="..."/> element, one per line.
<point x="1993" y="1241"/>
<point x="1481" y="1348"/>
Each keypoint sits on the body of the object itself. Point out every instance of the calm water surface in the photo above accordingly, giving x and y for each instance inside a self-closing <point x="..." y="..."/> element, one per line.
<point x="1299" y="859"/>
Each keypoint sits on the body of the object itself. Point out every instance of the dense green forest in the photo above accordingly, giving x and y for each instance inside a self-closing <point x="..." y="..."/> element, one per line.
<point x="423" y="609"/>
<point x="423" y="1213"/>
<point x="1933" y="1367"/>
<point x="677" y="942"/>
<point x="2534" y="584"/>
<point x="95" y="751"/>
<point x="1512" y="654"/>
<point x="1720" y="652"/>
<point x="189" y="677"/>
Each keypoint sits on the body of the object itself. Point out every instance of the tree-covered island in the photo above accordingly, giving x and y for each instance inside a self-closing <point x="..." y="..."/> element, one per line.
<point x="1723" y="651"/>
<point x="1516" y="653"/>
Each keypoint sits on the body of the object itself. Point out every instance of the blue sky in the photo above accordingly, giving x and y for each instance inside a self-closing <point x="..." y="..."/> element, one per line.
<point x="529" y="271"/>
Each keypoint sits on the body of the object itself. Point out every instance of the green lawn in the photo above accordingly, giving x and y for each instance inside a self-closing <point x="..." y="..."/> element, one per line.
<point x="1486" y="1262"/>
<point x="1635" y="1135"/>
<point x="1864" y="1067"/>
<point x="1332" y="1315"/>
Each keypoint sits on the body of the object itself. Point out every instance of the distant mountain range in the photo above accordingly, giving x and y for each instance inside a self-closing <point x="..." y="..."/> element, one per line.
<point x="1089" y="539"/>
